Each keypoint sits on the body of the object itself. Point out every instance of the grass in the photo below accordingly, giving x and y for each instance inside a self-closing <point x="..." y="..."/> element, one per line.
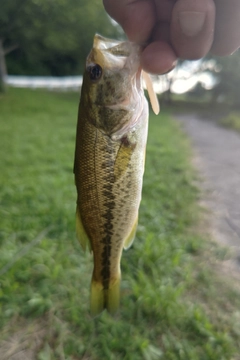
<point x="173" y="305"/>
<point x="223" y="113"/>
<point x="231" y="121"/>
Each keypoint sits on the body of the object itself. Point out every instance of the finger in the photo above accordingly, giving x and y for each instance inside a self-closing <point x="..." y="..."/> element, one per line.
<point x="161" y="32"/>
<point x="158" y="58"/>
<point x="137" y="18"/>
<point x="227" y="28"/>
<point x="192" y="28"/>
<point x="164" y="9"/>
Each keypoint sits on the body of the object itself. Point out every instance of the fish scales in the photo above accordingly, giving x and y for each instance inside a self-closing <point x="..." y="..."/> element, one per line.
<point x="108" y="196"/>
<point x="109" y="164"/>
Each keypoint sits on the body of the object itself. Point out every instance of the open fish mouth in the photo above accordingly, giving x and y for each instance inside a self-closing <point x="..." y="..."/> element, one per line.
<point x="122" y="56"/>
<point x="114" y="47"/>
<point x="127" y="55"/>
<point x="119" y="54"/>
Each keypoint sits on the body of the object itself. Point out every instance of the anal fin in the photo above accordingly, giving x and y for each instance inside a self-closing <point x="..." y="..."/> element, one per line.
<point x="130" y="238"/>
<point x="81" y="233"/>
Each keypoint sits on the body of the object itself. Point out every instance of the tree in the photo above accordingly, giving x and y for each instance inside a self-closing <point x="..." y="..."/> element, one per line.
<point x="12" y="17"/>
<point x="49" y="37"/>
<point x="227" y="73"/>
<point x="2" y="67"/>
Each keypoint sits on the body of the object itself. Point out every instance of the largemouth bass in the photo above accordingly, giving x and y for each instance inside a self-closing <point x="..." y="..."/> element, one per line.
<point x="109" y="161"/>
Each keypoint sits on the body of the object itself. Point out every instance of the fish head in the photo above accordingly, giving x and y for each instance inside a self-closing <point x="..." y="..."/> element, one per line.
<point x="112" y="84"/>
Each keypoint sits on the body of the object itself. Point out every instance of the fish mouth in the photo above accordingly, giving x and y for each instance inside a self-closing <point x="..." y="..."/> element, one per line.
<point x="114" y="47"/>
<point x="122" y="56"/>
<point x="117" y="54"/>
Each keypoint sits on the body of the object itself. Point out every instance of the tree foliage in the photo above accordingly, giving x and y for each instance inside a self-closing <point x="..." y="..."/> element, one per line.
<point x="227" y="73"/>
<point x="51" y="37"/>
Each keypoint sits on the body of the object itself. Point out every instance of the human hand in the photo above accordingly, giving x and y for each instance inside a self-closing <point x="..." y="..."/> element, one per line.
<point x="172" y="29"/>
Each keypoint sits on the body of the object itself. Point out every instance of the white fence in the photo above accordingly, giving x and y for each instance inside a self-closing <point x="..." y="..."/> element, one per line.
<point x="182" y="82"/>
<point x="45" y="82"/>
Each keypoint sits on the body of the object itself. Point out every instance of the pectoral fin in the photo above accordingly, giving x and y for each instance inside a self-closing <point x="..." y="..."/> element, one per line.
<point x="129" y="240"/>
<point x="123" y="158"/>
<point x="81" y="233"/>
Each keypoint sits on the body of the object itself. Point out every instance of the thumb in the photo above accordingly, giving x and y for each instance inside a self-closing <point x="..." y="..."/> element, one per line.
<point x="192" y="28"/>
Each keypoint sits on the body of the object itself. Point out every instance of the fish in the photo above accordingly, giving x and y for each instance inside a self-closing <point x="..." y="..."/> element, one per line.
<point x="109" y="161"/>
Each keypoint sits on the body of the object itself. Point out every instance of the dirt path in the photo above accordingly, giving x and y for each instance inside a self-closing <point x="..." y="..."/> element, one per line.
<point x="217" y="153"/>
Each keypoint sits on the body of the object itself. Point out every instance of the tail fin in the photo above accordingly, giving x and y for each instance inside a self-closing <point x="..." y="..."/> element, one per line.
<point x="104" y="298"/>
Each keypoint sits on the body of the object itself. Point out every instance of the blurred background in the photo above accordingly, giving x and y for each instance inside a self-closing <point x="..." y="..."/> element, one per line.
<point x="178" y="301"/>
<point x="53" y="38"/>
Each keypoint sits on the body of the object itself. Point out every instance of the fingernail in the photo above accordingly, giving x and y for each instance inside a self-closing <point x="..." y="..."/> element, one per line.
<point x="191" y="22"/>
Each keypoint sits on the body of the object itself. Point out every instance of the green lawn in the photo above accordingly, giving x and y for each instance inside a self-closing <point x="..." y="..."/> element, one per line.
<point x="232" y="120"/>
<point x="173" y="305"/>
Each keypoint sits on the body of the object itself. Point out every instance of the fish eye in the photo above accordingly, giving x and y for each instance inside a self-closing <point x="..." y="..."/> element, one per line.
<point x="95" y="71"/>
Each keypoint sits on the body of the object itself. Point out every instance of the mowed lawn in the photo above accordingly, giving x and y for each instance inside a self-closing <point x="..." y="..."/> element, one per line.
<point x="174" y="305"/>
